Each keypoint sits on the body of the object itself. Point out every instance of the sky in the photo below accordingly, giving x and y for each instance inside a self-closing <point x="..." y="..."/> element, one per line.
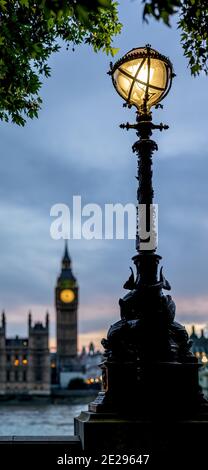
<point x="77" y="148"/>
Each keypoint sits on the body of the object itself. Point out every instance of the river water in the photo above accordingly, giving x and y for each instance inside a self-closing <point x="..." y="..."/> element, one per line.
<point x="41" y="420"/>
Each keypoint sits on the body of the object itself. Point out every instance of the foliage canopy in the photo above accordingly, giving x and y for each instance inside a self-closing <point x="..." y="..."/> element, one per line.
<point x="30" y="31"/>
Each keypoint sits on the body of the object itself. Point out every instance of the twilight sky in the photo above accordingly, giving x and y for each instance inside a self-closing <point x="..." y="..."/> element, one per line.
<point x="77" y="148"/>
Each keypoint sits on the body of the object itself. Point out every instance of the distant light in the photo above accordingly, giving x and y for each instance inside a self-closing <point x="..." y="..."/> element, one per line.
<point x="91" y="380"/>
<point x="16" y="362"/>
<point x="53" y="365"/>
<point x="25" y="362"/>
<point x="204" y="359"/>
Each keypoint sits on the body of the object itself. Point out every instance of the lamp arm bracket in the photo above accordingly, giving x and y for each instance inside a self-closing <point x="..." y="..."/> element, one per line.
<point x="142" y="124"/>
<point x="128" y="126"/>
<point x="160" y="126"/>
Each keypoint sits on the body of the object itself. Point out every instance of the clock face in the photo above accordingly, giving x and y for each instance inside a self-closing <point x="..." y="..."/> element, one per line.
<point x="67" y="296"/>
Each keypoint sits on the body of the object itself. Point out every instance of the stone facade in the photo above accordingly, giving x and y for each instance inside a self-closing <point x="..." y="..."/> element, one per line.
<point x="26" y="366"/>
<point x="25" y="362"/>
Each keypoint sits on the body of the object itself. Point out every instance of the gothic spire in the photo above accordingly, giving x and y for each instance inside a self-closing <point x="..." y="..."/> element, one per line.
<point x="66" y="260"/>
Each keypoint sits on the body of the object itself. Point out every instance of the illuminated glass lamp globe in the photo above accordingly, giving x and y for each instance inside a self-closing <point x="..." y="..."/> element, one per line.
<point x="142" y="77"/>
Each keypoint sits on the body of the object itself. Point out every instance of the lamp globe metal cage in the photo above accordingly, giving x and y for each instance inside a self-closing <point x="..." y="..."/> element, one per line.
<point x="142" y="77"/>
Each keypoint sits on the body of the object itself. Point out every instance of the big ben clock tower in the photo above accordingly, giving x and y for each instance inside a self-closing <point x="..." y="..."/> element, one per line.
<point x="66" y="298"/>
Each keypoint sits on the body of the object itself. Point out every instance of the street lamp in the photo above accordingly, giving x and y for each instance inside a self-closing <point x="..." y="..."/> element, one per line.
<point x="142" y="77"/>
<point x="148" y="365"/>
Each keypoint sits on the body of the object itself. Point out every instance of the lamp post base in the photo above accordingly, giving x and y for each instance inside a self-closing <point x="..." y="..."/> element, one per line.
<point x="149" y="390"/>
<point x="150" y="376"/>
<point x="149" y="368"/>
<point x="167" y="442"/>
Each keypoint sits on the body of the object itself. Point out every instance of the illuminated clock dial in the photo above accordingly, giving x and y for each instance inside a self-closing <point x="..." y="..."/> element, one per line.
<point x="67" y="296"/>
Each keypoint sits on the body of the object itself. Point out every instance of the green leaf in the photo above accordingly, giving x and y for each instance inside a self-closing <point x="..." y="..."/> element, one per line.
<point x="114" y="50"/>
<point x="24" y="3"/>
<point x="105" y="3"/>
<point x="3" y="4"/>
<point x="50" y="22"/>
<point x="83" y="14"/>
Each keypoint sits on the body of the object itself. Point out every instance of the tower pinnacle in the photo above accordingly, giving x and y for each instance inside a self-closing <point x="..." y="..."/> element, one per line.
<point x="66" y="260"/>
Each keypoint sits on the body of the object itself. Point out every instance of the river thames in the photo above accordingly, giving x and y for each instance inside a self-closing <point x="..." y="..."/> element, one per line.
<point x="41" y="420"/>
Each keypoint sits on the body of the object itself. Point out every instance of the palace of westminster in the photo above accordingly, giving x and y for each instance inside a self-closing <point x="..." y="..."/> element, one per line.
<point x="26" y="364"/>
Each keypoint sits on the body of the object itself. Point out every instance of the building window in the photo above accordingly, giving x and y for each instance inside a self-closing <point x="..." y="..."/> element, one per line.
<point x="8" y="357"/>
<point x="16" y="376"/>
<point x="8" y="375"/>
<point x="38" y="375"/>
<point x="24" y="376"/>
<point x="16" y="360"/>
<point x="24" y="360"/>
<point x="38" y="368"/>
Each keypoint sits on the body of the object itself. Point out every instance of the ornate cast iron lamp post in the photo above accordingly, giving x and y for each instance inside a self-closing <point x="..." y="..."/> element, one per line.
<point x="148" y="367"/>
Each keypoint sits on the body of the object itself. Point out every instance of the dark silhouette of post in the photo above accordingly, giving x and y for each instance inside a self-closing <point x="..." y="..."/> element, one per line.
<point x="149" y="371"/>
